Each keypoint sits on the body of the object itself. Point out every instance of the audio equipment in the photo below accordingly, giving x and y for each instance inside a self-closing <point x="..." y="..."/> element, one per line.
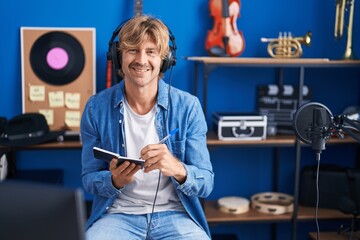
<point x="312" y="122"/>
<point x="338" y="187"/>
<point x="233" y="205"/>
<point x="348" y="206"/>
<point x="352" y="112"/>
<point x="287" y="46"/>
<point x="114" y="61"/>
<point x="343" y="6"/>
<point x="272" y="203"/>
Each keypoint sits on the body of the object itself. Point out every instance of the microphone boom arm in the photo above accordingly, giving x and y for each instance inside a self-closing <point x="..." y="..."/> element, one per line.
<point x="339" y="122"/>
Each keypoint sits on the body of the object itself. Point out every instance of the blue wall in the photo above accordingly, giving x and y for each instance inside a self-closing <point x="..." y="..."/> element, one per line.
<point x="250" y="168"/>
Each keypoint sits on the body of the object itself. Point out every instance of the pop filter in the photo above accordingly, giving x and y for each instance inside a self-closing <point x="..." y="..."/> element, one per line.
<point x="310" y="123"/>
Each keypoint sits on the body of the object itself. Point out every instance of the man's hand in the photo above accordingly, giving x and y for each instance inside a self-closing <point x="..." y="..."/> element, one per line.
<point x="158" y="156"/>
<point x="123" y="174"/>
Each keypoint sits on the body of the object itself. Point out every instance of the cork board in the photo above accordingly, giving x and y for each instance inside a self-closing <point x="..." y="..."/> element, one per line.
<point x="58" y="73"/>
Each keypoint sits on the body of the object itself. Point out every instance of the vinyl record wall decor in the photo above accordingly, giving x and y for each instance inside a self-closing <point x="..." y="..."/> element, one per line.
<point x="58" y="73"/>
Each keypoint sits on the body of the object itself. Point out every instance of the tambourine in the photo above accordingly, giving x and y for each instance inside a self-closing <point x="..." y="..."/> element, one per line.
<point x="272" y="203"/>
<point x="234" y="205"/>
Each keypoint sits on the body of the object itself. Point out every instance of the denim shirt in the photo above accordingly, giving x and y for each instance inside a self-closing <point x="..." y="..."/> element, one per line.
<point x="102" y="125"/>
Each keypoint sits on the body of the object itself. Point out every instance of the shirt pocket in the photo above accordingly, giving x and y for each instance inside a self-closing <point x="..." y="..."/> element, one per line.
<point x="178" y="149"/>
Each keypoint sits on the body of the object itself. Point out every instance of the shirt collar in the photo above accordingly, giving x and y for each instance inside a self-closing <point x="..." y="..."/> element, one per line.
<point x="163" y="94"/>
<point x="162" y="98"/>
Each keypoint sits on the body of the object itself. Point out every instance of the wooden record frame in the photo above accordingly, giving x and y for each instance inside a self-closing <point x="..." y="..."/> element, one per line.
<point x="58" y="73"/>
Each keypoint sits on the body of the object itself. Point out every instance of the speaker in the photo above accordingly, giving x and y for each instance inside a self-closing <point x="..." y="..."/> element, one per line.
<point x="113" y="54"/>
<point x="339" y="187"/>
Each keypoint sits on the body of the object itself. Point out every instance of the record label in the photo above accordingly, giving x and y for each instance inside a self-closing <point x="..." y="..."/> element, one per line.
<point x="57" y="58"/>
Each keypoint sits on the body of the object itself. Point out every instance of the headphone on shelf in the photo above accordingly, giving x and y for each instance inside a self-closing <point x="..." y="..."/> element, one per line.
<point x="114" y="61"/>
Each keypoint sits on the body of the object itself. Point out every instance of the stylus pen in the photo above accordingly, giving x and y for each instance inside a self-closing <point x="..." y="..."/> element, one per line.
<point x="168" y="136"/>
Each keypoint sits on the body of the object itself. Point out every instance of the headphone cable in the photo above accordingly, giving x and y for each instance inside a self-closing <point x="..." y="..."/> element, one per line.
<point x="158" y="184"/>
<point x="317" y="199"/>
<point x="153" y="207"/>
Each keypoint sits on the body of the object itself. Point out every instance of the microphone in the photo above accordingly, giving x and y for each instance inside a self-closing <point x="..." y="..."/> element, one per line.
<point x="312" y="123"/>
<point x="318" y="129"/>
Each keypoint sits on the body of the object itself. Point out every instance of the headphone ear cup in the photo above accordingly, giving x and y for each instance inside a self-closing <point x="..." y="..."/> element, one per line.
<point x="115" y="56"/>
<point x="116" y="61"/>
<point x="169" y="61"/>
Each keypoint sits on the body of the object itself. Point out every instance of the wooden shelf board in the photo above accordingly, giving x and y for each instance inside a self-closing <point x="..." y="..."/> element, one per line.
<point x="334" y="235"/>
<point x="214" y="215"/>
<point x="308" y="213"/>
<point x="212" y="140"/>
<point x="50" y="145"/>
<point x="280" y="140"/>
<point x="280" y="62"/>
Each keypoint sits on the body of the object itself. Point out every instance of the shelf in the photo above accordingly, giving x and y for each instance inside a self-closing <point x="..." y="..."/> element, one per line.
<point x="203" y="66"/>
<point x="271" y="141"/>
<point x="212" y="140"/>
<point x="50" y="145"/>
<point x="276" y="62"/>
<point x="211" y="63"/>
<point x="213" y="215"/>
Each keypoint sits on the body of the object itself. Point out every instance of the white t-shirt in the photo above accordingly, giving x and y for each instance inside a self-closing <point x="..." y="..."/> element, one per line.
<point x="138" y="196"/>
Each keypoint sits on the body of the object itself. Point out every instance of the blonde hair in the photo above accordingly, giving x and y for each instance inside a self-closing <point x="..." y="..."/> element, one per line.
<point x="141" y="29"/>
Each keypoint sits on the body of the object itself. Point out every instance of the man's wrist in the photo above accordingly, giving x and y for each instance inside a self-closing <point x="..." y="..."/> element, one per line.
<point x="181" y="176"/>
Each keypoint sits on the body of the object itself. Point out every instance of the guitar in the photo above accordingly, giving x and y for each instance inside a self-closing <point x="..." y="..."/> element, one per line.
<point x="224" y="39"/>
<point x="138" y="8"/>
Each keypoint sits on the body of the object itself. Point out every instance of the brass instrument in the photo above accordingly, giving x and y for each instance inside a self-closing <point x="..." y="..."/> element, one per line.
<point x="286" y="46"/>
<point x="339" y="25"/>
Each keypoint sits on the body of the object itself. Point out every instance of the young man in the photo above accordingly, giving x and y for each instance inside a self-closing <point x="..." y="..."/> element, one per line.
<point x="160" y="201"/>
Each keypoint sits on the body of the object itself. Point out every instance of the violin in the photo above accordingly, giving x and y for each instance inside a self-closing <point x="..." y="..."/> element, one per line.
<point x="225" y="40"/>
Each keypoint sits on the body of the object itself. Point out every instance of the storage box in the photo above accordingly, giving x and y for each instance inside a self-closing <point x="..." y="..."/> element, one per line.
<point x="339" y="188"/>
<point x="240" y="126"/>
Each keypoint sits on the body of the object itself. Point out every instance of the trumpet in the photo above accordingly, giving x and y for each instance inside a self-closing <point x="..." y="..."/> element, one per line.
<point x="339" y="25"/>
<point x="287" y="46"/>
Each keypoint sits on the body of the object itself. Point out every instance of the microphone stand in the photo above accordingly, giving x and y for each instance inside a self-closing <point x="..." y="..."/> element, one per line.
<point x="354" y="226"/>
<point x="339" y="122"/>
<point x="317" y="133"/>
